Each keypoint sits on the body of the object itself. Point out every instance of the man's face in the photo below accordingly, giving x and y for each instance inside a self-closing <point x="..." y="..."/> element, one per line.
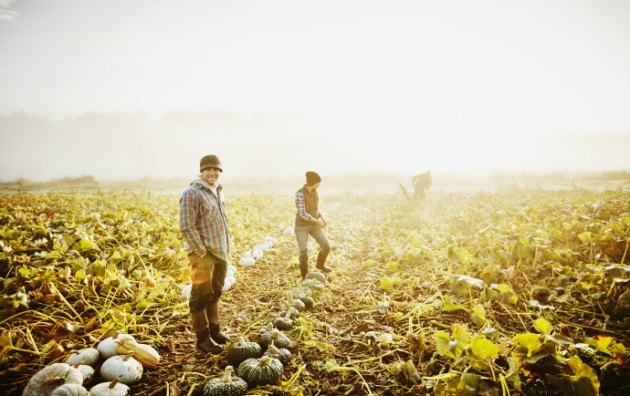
<point x="316" y="186"/>
<point x="211" y="175"/>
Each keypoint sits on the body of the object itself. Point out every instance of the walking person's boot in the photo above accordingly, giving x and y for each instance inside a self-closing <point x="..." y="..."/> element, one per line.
<point x="303" y="265"/>
<point x="321" y="259"/>
<point x="200" y="326"/>
<point x="212" y="311"/>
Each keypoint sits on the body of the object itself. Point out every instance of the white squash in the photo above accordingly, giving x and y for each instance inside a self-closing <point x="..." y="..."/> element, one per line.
<point x="289" y="231"/>
<point x="107" y="347"/>
<point x="262" y="246"/>
<point x="317" y="276"/>
<point x="145" y="354"/>
<point x="113" y="388"/>
<point x="89" y="356"/>
<point x="232" y="268"/>
<point x="247" y="262"/>
<point x="226" y="285"/>
<point x="70" y="390"/>
<point x="257" y="253"/>
<point x="51" y="377"/>
<point x="127" y="369"/>
<point x="271" y="240"/>
<point x="86" y="371"/>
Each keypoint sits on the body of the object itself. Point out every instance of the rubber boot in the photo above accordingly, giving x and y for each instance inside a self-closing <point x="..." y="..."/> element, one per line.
<point x="200" y="326"/>
<point x="212" y="311"/>
<point x="321" y="259"/>
<point x="303" y="265"/>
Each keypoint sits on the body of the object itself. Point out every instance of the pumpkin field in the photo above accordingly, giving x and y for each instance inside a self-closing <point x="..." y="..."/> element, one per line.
<point x="513" y="292"/>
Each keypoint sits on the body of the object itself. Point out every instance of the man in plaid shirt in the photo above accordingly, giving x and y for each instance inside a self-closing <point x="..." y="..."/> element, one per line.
<point x="204" y="224"/>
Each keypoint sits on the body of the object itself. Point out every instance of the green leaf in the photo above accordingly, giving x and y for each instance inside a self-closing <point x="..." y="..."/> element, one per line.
<point x="82" y="245"/>
<point x="542" y="325"/>
<point x="452" y="347"/>
<point x="367" y="264"/>
<point x="322" y="346"/>
<point x="585" y="237"/>
<point x="80" y="275"/>
<point x="442" y="343"/>
<point x="483" y="348"/>
<point x="479" y="315"/>
<point x="448" y="307"/>
<point x="532" y="342"/>
<point x="392" y="266"/>
<point x="386" y="283"/>
<point x="583" y="382"/>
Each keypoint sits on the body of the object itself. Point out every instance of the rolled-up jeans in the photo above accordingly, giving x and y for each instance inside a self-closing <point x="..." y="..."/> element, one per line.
<point x="302" y="233"/>
<point x="208" y="277"/>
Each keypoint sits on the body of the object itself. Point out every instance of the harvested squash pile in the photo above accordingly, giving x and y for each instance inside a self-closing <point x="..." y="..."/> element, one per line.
<point x="516" y="292"/>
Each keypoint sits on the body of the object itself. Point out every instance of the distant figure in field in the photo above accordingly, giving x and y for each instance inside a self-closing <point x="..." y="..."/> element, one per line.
<point x="421" y="183"/>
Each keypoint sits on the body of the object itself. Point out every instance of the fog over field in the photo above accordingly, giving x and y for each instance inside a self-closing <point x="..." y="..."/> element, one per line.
<point x="126" y="90"/>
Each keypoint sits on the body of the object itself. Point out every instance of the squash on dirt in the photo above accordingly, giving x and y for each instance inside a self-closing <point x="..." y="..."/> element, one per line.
<point x="266" y="328"/>
<point x="107" y="347"/>
<point x="86" y="371"/>
<point x="308" y="302"/>
<point x="297" y="304"/>
<point x="70" y="390"/>
<point x="226" y="385"/>
<point x="243" y="350"/>
<point x="89" y="357"/>
<point x="312" y="284"/>
<point x="263" y="371"/>
<point x="145" y="354"/>
<point x="317" y="276"/>
<point x="285" y="322"/>
<point x="277" y="337"/>
<point x="282" y="354"/>
<point x="124" y="367"/>
<point x="113" y="388"/>
<point x="45" y="381"/>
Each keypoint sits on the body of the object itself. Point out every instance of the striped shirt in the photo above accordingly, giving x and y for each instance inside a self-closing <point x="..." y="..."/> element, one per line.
<point x="203" y="220"/>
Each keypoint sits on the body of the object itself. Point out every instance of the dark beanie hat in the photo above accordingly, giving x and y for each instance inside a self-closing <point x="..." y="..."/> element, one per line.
<point x="210" y="161"/>
<point x="312" y="178"/>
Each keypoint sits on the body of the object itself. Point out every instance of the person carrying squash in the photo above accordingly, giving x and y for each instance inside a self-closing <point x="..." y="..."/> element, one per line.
<point x="203" y="222"/>
<point x="421" y="184"/>
<point x="309" y="220"/>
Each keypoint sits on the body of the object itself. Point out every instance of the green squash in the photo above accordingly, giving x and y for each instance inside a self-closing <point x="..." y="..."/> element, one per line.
<point x="308" y="302"/>
<point x="285" y="322"/>
<point x="282" y="354"/>
<point x="242" y="350"/>
<point x="225" y="386"/>
<point x="297" y="304"/>
<point x="263" y="371"/>
<point x="277" y="337"/>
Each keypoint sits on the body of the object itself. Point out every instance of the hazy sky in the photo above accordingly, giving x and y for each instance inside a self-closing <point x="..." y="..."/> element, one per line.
<point x="349" y="86"/>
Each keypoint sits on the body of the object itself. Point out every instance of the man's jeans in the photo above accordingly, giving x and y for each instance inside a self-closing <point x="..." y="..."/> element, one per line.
<point x="208" y="278"/>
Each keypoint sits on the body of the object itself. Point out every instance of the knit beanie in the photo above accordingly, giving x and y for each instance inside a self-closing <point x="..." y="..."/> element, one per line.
<point x="312" y="178"/>
<point x="210" y="161"/>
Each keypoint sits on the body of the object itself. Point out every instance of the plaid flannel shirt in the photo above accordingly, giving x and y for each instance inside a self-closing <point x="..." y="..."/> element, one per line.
<point x="203" y="221"/>
<point x="301" y="206"/>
